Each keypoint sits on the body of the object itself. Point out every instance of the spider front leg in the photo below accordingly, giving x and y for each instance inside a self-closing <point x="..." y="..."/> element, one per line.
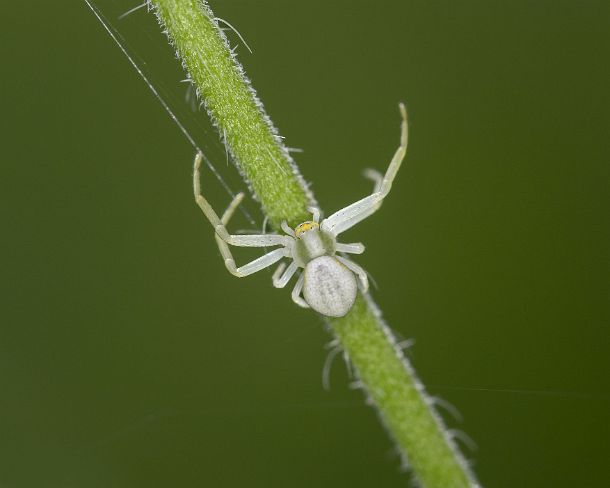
<point x="349" y="216"/>
<point x="223" y="238"/>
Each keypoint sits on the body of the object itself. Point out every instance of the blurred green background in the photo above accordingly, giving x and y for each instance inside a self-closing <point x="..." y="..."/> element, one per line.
<point x="129" y="357"/>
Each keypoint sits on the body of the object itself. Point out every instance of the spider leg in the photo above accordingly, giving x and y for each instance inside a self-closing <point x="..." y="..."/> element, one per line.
<point x="390" y="173"/>
<point x="281" y="280"/>
<point x="226" y="216"/>
<point x="286" y="228"/>
<point x="315" y="211"/>
<point x="351" y="248"/>
<point x="264" y="261"/>
<point x="296" y="292"/>
<point x="375" y="176"/>
<point x="364" y="280"/>
<point x="349" y="216"/>
<point x="256" y="240"/>
<point x="223" y="238"/>
<point x="260" y="263"/>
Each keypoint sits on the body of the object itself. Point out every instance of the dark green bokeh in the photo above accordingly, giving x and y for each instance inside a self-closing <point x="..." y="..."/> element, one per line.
<point x="130" y="358"/>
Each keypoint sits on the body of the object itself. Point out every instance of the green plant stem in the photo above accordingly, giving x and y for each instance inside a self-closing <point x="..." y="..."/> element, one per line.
<point x="403" y="405"/>
<point x="234" y="108"/>
<point x="265" y="164"/>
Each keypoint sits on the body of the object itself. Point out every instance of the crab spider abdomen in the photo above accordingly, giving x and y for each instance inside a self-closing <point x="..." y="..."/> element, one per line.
<point x="329" y="287"/>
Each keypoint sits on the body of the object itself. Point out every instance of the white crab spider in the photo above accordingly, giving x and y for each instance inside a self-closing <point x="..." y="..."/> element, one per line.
<point x="328" y="281"/>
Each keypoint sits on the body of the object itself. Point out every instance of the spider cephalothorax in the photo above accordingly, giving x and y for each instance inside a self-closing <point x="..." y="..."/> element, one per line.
<point x="329" y="282"/>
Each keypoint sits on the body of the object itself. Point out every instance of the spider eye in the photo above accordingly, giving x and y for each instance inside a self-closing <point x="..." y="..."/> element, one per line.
<point x="304" y="227"/>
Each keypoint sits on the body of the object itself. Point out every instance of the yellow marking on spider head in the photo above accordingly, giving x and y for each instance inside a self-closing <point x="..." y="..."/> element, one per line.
<point x="304" y="227"/>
